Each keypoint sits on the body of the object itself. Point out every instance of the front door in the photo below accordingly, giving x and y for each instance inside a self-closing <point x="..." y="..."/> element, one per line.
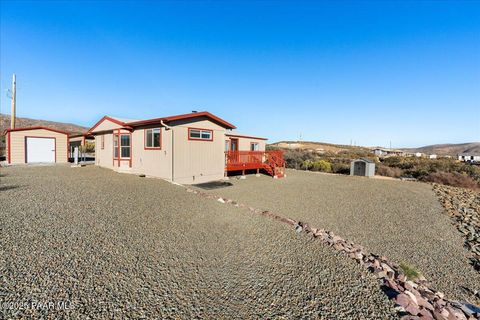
<point x="359" y="168"/>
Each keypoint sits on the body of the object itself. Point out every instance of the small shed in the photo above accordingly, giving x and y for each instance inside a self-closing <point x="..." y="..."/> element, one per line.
<point x="362" y="167"/>
<point x="36" y="145"/>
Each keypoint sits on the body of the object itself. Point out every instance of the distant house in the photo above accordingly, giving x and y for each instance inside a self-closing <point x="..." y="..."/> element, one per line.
<point x="469" y="157"/>
<point x="379" y="152"/>
<point x="190" y="148"/>
<point x="432" y="156"/>
<point x="384" y="152"/>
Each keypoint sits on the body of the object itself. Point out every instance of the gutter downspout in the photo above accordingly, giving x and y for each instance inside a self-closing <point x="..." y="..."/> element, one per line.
<point x="173" y="163"/>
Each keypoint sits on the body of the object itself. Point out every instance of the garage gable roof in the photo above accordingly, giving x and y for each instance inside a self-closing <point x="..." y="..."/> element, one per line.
<point x="35" y="128"/>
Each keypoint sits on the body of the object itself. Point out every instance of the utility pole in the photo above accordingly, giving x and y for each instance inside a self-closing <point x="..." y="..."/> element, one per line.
<point x="14" y="102"/>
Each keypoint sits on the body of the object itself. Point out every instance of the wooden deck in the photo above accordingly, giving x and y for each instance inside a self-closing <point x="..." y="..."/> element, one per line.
<point x="270" y="161"/>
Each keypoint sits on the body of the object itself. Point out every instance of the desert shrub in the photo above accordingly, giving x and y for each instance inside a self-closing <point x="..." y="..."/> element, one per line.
<point x="322" y="165"/>
<point x="409" y="271"/>
<point x="341" y="168"/>
<point x="452" y="179"/>
<point x="385" y="171"/>
<point x="294" y="158"/>
<point x="307" y="164"/>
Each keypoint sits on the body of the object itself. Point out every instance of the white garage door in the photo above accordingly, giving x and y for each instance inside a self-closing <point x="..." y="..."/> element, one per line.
<point x="40" y="149"/>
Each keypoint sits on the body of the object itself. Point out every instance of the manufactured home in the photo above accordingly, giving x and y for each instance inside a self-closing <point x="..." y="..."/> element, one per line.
<point x="190" y="148"/>
<point x="469" y="157"/>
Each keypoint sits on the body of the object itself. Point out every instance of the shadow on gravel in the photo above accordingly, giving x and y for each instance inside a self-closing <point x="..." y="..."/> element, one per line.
<point x="5" y="188"/>
<point x="214" y="185"/>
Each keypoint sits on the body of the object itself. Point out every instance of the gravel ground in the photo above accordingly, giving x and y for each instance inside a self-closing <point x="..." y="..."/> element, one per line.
<point x="401" y="220"/>
<point x="117" y="246"/>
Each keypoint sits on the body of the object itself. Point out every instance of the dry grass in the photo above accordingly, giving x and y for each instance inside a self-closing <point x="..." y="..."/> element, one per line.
<point x="452" y="179"/>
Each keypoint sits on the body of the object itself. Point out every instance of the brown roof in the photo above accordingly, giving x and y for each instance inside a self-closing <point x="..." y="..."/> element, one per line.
<point x="35" y="128"/>
<point x="184" y="116"/>
<point x="130" y="124"/>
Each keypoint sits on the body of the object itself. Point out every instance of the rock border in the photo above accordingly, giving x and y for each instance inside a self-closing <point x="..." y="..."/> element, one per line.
<point x="460" y="207"/>
<point x="413" y="299"/>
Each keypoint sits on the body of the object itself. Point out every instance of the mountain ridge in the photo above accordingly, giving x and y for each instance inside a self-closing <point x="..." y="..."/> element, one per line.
<point x="444" y="149"/>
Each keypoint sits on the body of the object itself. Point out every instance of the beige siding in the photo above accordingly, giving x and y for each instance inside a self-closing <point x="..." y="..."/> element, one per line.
<point x="17" y="144"/>
<point x="104" y="156"/>
<point x="152" y="162"/>
<point x="244" y="143"/>
<point x="198" y="161"/>
<point x="106" y="125"/>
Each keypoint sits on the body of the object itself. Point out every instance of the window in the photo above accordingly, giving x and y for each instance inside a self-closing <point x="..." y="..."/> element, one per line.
<point x="227" y="145"/>
<point x="152" y="138"/>
<point x="115" y="145"/>
<point x="254" y="146"/>
<point x="200" y="134"/>
<point x="125" y="145"/>
<point x="102" y="141"/>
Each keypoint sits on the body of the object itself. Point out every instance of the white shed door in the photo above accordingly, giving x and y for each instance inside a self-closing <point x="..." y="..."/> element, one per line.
<point x="40" y="149"/>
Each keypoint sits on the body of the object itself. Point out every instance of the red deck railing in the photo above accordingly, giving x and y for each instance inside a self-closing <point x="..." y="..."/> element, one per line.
<point x="270" y="161"/>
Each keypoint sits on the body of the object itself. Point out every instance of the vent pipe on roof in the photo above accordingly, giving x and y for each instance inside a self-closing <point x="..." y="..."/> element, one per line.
<point x="14" y="101"/>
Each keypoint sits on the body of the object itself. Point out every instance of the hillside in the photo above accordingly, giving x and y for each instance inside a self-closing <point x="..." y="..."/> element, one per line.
<point x="448" y="149"/>
<point x="316" y="146"/>
<point x="26" y="122"/>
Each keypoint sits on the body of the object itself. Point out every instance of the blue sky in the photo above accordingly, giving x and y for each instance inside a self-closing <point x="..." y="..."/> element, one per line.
<point x="372" y="72"/>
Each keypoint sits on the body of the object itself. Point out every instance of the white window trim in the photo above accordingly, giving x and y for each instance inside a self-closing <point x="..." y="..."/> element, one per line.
<point x="129" y="146"/>
<point x="152" y="133"/>
<point x="200" y="133"/>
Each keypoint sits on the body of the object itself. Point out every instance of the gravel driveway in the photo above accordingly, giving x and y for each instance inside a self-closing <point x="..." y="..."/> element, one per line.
<point x="402" y="220"/>
<point x="117" y="246"/>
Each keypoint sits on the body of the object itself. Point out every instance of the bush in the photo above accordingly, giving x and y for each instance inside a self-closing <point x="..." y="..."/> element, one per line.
<point x="341" y="168"/>
<point x="392" y="172"/>
<point x="90" y="146"/>
<point x="452" y="179"/>
<point x="307" y="164"/>
<point x="322" y="165"/>
<point x="295" y="158"/>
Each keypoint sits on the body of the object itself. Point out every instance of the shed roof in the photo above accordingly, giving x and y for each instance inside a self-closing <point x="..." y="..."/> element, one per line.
<point x="364" y="160"/>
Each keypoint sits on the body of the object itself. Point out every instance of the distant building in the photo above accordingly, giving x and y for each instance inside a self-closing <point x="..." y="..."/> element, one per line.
<point x="419" y="154"/>
<point x="469" y="157"/>
<point x="432" y="156"/>
<point x="384" y="152"/>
